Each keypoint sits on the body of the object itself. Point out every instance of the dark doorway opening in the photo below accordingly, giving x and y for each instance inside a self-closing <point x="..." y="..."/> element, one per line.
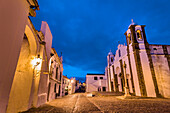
<point x="116" y="83"/>
<point x="122" y="85"/>
<point x="104" y="88"/>
<point x="59" y="90"/>
<point x="99" y="89"/>
<point x="49" y="85"/>
<point x="112" y="86"/>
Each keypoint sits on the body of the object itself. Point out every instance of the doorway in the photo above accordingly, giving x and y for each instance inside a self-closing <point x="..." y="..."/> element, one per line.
<point x="49" y="86"/>
<point x="104" y="88"/>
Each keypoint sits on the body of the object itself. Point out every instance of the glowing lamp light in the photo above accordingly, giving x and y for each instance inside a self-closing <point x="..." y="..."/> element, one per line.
<point x="36" y="63"/>
<point x="72" y="81"/>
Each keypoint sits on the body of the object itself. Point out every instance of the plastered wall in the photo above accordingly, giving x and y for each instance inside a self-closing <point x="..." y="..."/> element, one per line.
<point x="13" y="22"/>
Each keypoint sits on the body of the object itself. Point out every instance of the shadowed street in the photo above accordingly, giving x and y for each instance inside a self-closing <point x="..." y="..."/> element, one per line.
<point x="79" y="103"/>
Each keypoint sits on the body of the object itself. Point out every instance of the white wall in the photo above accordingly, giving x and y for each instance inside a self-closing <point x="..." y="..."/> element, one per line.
<point x="92" y="85"/>
<point x="14" y="14"/>
<point x="44" y="78"/>
<point x="161" y="68"/>
<point x="48" y="37"/>
<point x="150" y="89"/>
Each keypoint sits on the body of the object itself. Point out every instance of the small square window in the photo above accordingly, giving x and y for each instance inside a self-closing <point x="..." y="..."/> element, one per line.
<point x="95" y="78"/>
<point x="55" y="86"/>
<point x="101" y="77"/>
<point x="119" y="53"/>
<point x="154" y="49"/>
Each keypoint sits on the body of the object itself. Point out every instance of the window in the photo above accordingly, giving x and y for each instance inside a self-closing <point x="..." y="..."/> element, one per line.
<point x="112" y="59"/>
<point x="55" y="88"/>
<point x="104" y="88"/>
<point x="127" y="83"/>
<point x="56" y="73"/>
<point x="95" y="78"/>
<point x="154" y="49"/>
<point x="139" y="34"/>
<point x="99" y="89"/>
<point x="119" y="53"/>
<point x="129" y="38"/>
<point x="101" y="77"/>
<point x="60" y="75"/>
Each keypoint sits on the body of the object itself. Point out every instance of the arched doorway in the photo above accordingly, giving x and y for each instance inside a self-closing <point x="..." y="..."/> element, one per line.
<point x="23" y="79"/>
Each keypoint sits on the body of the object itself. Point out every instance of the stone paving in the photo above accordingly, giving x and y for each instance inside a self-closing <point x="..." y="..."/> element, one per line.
<point x="79" y="103"/>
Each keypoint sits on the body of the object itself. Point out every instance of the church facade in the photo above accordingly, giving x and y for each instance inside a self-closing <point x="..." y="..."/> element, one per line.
<point x="139" y="68"/>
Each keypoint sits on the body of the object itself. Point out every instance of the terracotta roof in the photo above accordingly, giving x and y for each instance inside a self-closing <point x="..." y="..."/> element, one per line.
<point x="64" y="76"/>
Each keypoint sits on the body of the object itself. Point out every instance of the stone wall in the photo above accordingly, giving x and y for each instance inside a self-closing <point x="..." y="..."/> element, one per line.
<point x="162" y="69"/>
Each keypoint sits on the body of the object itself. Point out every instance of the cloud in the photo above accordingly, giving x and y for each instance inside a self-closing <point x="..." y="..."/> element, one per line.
<point x="76" y="72"/>
<point x="86" y="30"/>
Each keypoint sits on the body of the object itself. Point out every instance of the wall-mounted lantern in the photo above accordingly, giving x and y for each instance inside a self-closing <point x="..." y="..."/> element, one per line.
<point x="72" y="81"/>
<point x="36" y="63"/>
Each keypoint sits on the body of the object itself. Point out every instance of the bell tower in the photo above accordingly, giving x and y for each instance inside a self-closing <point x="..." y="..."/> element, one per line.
<point x="110" y="61"/>
<point x="135" y="34"/>
<point x="139" y="60"/>
<point x="110" y="58"/>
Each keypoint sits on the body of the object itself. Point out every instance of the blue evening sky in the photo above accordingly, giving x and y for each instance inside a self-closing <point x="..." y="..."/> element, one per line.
<point x="85" y="30"/>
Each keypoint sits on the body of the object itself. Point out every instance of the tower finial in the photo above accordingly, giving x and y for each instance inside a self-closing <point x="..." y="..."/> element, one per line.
<point x="132" y="20"/>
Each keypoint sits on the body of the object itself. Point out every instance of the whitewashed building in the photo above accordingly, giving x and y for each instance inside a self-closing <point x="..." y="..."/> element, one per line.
<point x="24" y="71"/>
<point x="69" y="85"/>
<point x="66" y="82"/>
<point x="96" y="82"/>
<point x="15" y="23"/>
<point x="140" y="67"/>
<point x="55" y="76"/>
<point x="72" y="86"/>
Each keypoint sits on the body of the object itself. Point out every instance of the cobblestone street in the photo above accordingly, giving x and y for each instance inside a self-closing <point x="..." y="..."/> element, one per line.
<point x="79" y="103"/>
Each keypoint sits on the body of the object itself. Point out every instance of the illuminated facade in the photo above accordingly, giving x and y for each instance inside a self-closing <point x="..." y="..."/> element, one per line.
<point x="29" y="86"/>
<point x="16" y="33"/>
<point x="66" y="83"/>
<point x="72" y="86"/>
<point x="24" y="65"/>
<point x="69" y="85"/>
<point x="56" y="76"/>
<point x="140" y="68"/>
